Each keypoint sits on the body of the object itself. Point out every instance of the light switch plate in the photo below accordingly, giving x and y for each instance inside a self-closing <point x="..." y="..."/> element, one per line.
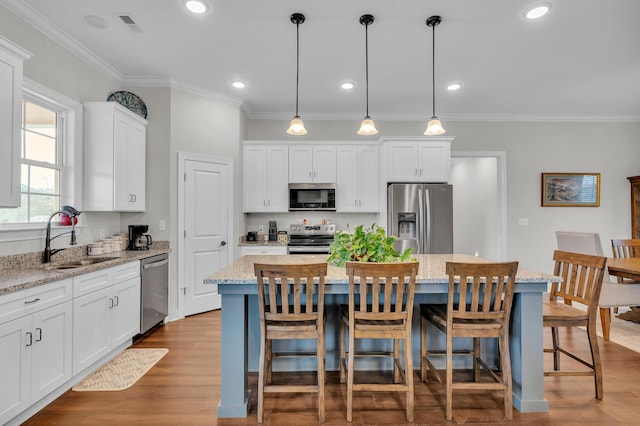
<point x="523" y="221"/>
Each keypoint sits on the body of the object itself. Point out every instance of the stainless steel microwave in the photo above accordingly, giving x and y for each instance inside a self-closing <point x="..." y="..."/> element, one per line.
<point x="312" y="196"/>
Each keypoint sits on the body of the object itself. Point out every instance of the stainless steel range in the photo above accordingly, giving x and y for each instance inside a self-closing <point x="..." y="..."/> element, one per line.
<point x="311" y="239"/>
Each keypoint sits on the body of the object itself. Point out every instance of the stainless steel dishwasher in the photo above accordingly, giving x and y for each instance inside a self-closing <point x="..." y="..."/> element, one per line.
<point x="154" y="297"/>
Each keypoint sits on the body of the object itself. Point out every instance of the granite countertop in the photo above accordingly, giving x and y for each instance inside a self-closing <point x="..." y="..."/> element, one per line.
<point x="20" y="272"/>
<point x="432" y="269"/>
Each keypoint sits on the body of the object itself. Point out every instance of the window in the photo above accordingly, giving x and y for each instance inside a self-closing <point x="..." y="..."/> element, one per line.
<point x="42" y="168"/>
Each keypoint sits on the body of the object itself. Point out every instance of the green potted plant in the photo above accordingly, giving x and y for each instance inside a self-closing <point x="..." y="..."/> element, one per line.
<point x="365" y="245"/>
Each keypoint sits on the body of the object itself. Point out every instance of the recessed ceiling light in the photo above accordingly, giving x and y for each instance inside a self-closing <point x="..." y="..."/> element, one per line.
<point x="347" y="85"/>
<point x="537" y="11"/>
<point x="454" y="86"/>
<point x="238" y="84"/>
<point x="196" y="6"/>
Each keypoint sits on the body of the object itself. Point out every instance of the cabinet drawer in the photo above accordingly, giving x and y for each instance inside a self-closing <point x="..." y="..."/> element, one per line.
<point x="93" y="281"/>
<point x="24" y="302"/>
<point x="126" y="272"/>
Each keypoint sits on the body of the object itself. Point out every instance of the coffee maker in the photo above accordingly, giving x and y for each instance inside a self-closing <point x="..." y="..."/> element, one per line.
<point x="138" y="240"/>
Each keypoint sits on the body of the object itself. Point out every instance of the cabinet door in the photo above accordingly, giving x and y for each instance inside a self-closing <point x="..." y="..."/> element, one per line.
<point x="403" y="162"/>
<point x="129" y="173"/>
<point x="435" y="162"/>
<point x="324" y="164"/>
<point x="347" y="179"/>
<point x="51" y="350"/>
<point x="91" y="328"/>
<point x="136" y="167"/>
<point x="126" y="310"/>
<point x="278" y="179"/>
<point x="300" y="164"/>
<point x="15" y="367"/>
<point x="368" y="179"/>
<point x="10" y="124"/>
<point x="255" y="178"/>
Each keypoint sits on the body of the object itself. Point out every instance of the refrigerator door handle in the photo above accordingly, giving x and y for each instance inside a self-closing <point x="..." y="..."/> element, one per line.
<point x="427" y="221"/>
<point x="420" y="221"/>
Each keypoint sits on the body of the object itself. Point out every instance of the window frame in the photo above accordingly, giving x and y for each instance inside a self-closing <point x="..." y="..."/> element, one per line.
<point x="70" y="151"/>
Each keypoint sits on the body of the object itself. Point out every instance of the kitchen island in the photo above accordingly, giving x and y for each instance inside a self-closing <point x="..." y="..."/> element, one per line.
<point x="240" y="329"/>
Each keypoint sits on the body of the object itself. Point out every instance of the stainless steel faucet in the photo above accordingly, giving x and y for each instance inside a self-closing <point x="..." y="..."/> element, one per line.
<point x="72" y="213"/>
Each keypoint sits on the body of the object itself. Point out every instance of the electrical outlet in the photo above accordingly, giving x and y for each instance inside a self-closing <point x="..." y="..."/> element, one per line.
<point x="261" y="229"/>
<point x="162" y="225"/>
<point x="102" y="234"/>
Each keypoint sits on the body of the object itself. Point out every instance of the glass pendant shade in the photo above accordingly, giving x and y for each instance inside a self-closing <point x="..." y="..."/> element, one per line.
<point x="296" y="127"/>
<point x="434" y="127"/>
<point x="367" y="127"/>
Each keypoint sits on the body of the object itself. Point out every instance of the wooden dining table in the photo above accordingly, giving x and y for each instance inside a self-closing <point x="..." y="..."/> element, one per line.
<point x="624" y="267"/>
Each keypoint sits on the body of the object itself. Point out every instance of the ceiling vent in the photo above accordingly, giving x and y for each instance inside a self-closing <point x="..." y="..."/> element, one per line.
<point x="127" y="19"/>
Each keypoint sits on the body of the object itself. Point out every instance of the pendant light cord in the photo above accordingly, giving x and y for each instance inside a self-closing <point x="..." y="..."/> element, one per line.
<point x="366" y="56"/>
<point x="297" y="63"/>
<point x="433" y="70"/>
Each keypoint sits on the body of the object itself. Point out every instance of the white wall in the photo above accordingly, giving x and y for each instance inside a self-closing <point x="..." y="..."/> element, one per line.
<point x="611" y="149"/>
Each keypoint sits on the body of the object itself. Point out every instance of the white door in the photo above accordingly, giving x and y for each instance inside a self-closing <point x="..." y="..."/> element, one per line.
<point x="206" y="231"/>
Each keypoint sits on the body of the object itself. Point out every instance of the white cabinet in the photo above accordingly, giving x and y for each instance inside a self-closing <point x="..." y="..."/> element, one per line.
<point x="419" y="161"/>
<point x="35" y="345"/>
<point x="106" y="312"/>
<point x="11" y="58"/>
<point x="312" y="164"/>
<point x="263" y="250"/>
<point x="114" y="158"/>
<point x="266" y="178"/>
<point x="358" y="179"/>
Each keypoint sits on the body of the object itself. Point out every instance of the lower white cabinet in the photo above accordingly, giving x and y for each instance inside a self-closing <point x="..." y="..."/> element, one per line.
<point x="108" y="315"/>
<point x="265" y="250"/>
<point x="35" y="348"/>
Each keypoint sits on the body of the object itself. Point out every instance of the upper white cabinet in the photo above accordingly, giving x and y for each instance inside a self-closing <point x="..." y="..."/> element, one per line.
<point x="312" y="164"/>
<point x="11" y="58"/>
<point x="358" y="179"/>
<point x="424" y="160"/>
<point x="266" y="173"/>
<point x="114" y="158"/>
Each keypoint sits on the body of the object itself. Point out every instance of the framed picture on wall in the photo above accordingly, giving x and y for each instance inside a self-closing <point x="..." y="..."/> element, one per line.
<point x="570" y="189"/>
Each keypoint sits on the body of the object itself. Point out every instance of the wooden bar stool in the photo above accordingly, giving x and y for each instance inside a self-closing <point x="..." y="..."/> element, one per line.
<point x="291" y="303"/>
<point x="380" y="307"/>
<point x="582" y="276"/>
<point x="487" y="292"/>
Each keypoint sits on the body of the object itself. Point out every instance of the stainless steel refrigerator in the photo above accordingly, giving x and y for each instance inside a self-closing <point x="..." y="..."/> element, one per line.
<point x="421" y="216"/>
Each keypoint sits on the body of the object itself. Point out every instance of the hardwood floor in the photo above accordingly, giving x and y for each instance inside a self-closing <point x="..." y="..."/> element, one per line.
<point x="184" y="389"/>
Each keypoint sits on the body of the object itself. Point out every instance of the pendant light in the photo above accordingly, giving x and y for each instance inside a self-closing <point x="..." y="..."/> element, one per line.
<point x="434" y="127"/>
<point x="367" y="127"/>
<point x="296" y="127"/>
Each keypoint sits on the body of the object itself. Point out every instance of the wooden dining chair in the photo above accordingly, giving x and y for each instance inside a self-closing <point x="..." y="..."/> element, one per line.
<point x="626" y="249"/>
<point x="478" y="306"/>
<point x="581" y="283"/>
<point x="613" y="294"/>
<point x="380" y="307"/>
<point x="291" y="304"/>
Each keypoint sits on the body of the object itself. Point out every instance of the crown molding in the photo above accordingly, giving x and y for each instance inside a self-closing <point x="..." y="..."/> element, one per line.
<point x="35" y="19"/>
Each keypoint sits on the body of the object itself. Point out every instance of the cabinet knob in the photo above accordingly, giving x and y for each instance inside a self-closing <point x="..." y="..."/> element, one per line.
<point x="30" y="337"/>
<point x="223" y="243"/>
<point x="39" y="331"/>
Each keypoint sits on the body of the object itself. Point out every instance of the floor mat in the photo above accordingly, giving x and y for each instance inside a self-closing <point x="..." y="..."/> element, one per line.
<point x="123" y="371"/>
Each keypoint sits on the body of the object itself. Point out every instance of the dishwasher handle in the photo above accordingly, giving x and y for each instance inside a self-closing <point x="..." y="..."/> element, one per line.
<point x="155" y="264"/>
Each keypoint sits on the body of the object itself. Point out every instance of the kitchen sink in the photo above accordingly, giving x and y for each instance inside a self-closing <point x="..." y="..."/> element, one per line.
<point x="79" y="263"/>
